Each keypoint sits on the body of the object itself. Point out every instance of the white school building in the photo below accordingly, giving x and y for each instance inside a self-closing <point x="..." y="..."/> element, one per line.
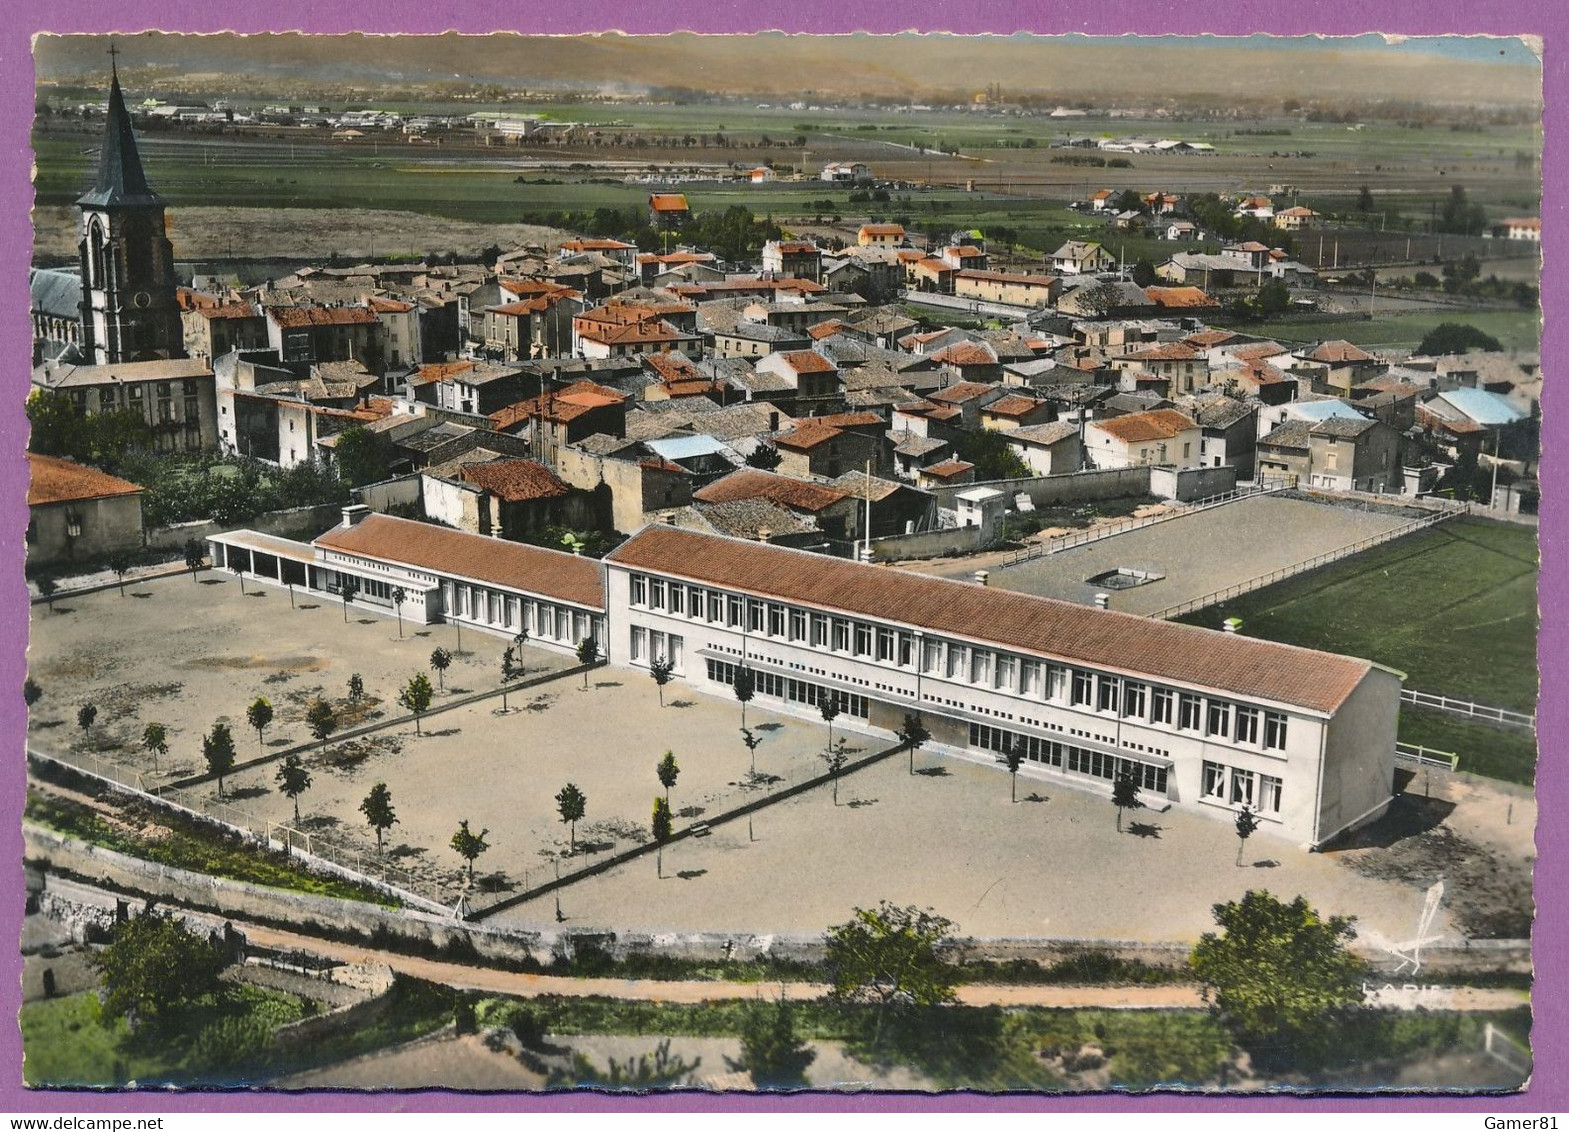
<point x="1208" y="722"/>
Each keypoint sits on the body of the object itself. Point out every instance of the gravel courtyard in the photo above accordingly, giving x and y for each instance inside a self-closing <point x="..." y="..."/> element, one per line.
<point x="1197" y="553"/>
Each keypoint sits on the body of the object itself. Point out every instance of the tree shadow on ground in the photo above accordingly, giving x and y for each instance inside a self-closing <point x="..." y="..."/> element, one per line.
<point x="1144" y="829"/>
<point x="607" y="683"/>
<point x="63" y="609"/>
<point x="586" y="847"/>
<point x="46" y="724"/>
<point x="857" y="803"/>
<point x="406" y="850"/>
<point x="769" y="727"/>
<point x="255" y="593"/>
<point x="1032" y="796"/>
<point x="494" y="882"/>
<point x="1266" y="864"/>
<point x="420" y="633"/>
<point x="213" y="581"/>
<point x="308" y="605"/>
<point x="444" y="732"/>
<point x="682" y="703"/>
<point x="690" y="812"/>
<point x="457" y="691"/>
<point x="140" y="593"/>
<point x="691" y="874"/>
<point x="279" y="743"/>
<point x="246" y="792"/>
<point x="934" y="771"/>
<point x="367" y="620"/>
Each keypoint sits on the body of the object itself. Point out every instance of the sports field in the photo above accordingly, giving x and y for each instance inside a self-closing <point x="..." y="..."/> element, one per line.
<point x="1453" y="607"/>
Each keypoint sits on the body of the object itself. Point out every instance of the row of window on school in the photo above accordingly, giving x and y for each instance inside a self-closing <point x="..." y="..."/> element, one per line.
<point x="1106" y="694"/>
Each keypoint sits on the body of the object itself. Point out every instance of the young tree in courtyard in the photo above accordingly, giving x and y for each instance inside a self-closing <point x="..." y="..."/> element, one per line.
<point x="1012" y="757"/>
<point x="85" y="716"/>
<point x="152" y="965"/>
<point x="469" y="845"/>
<point x="829" y="710"/>
<point x="120" y="564"/>
<point x="571" y="805"/>
<point x="889" y="956"/>
<point x="194" y="557"/>
<point x="239" y="567"/>
<point x="662" y="828"/>
<point x="416" y="696"/>
<point x="752" y="741"/>
<point x="661" y="670"/>
<point x="32" y="691"/>
<point x="1247" y="823"/>
<point x="356" y="687"/>
<point x="771" y="1049"/>
<point x="47" y="587"/>
<point x="1279" y="976"/>
<point x="668" y="772"/>
<point x="587" y="656"/>
<point x="914" y="734"/>
<point x="155" y="741"/>
<point x="378" y="811"/>
<point x="259" y="715"/>
<point x="322" y="720"/>
<point x="835" y="756"/>
<point x="349" y="587"/>
<point x="745" y="688"/>
<point x="441" y="660"/>
<point x="218" y="751"/>
<point x="1125" y="793"/>
<point x="510" y="671"/>
<point x="293" y="780"/>
<point x="399" y="595"/>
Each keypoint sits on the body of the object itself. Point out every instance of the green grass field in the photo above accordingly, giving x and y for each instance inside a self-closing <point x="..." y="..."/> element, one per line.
<point x="1514" y="329"/>
<point x="1453" y="607"/>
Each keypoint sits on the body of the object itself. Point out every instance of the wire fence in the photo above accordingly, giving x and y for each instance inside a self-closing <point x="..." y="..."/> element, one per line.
<point x="1095" y="534"/>
<point x="1487" y="713"/>
<point x="316" y="852"/>
<point x="1324" y="559"/>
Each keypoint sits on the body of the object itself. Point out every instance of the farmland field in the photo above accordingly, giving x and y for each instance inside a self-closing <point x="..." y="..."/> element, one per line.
<point x="1514" y="329"/>
<point x="1453" y="607"/>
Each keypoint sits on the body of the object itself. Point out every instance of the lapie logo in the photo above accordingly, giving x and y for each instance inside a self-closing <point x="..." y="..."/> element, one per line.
<point x="1409" y="951"/>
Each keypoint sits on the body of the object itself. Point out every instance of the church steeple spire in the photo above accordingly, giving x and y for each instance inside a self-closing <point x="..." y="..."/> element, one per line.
<point x="121" y="180"/>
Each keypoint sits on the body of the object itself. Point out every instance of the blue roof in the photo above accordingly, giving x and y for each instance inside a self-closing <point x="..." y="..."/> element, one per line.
<point x="1483" y="407"/>
<point x="675" y="448"/>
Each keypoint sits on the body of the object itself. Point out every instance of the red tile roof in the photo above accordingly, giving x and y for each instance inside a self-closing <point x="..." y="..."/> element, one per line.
<point x="514" y="565"/>
<point x="596" y="245"/>
<point x="1154" y="424"/>
<point x="965" y="354"/>
<point x="53" y="480"/>
<point x="229" y="310"/>
<point x="535" y="305"/>
<point x="292" y="318"/>
<point x="389" y="306"/>
<point x="1339" y="351"/>
<point x="1058" y="630"/>
<point x="808" y="361"/>
<point x="1013" y="405"/>
<point x="672" y="367"/>
<point x="806" y="435"/>
<point x="1164" y="352"/>
<point x="863" y="419"/>
<point x="754" y="483"/>
<point x="515" y="481"/>
<point x="962" y="391"/>
<point x="1179" y="297"/>
<point x="826" y="329"/>
<point x="1207" y="338"/>
<point x="561" y="406"/>
<point x="947" y="469"/>
<point x="882" y="229"/>
<point x="667" y="202"/>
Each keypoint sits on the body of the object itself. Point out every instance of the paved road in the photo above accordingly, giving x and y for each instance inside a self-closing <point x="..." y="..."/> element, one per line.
<point x="459" y="976"/>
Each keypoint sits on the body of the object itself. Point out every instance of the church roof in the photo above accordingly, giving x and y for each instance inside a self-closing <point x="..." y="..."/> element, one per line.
<point x="121" y="180"/>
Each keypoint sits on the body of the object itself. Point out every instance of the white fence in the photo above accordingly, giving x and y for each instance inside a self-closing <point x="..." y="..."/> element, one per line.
<point x="1485" y="712"/>
<point x="1501" y="1047"/>
<point x="1426" y="756"/>
<point x="1302" y="567"/>
<point x="1095" y="534"/>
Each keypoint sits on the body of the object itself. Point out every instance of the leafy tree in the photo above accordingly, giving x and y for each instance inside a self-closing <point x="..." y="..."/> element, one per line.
<point x="259" y="715"/>
<point x="154" y="965"/>
<point x="378" y="811"/>
<point x="362" y="456"/>
<point x="662" y="829"/>
<point x="571" y="805"/>
<point x="356" y="687"/>
<point x="587" y="656"/>
<point x="1099" y="300"/>
<point x="829" y="709"/>
<point x="155" y="741"/>
<point x="988" y="450"/>
<point x="1279" y="975"/>
<point x="1273" y="298"/>
<point x="85" y="716"/>
<point x="745" y="687"/>
<point x="1128" y="200"/>
<point x="469" y="845"/>
<point x="441" y="660"/>
<point x="239" y="569"/>
<point x="835" y="757"/>
<point x="668" y="772"/>
<point x="914" y="734"/>
<point x="399" y="595"/>
<point x="1456" y="338"/>
<point x="195" y="557"/>
<point x="120" y="564"/>
<point x="349" y="587"/>
<point x="771" y="1049"/>
<point x="1125" y="793"/>
<point x="32" y="691"/>
<point x="1460" y="215"/>
<point x="752" y="742"/>
<point x="322" y="720"/>
<point x="1247" y="823"/>
<point x="416" y="696"/>
<point x="218" y="751"/>
<point x="888" y="956"/>
<point x="1012" y="757"/>
<point x="764" y="456"/>
<point x="1144" y="272"/>
<point x="1365" y="203"/>
<point x="510" y="671"/>
<point x="47" y="588"/>
<point x="661" y="670"/>
<point x="293" y="780"/>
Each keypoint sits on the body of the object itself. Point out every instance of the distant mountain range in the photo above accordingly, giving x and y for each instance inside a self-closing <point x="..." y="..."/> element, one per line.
<point x="1453" y="70"/>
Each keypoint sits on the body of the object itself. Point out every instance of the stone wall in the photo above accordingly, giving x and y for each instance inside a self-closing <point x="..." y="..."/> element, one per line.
<point x="1063" y="490"/>
<point x="292" y="521"/>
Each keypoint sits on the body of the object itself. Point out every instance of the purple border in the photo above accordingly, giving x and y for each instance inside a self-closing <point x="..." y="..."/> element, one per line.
<point x="1108" y="17"/>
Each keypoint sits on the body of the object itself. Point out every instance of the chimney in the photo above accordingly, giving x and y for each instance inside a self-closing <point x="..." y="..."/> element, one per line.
<point x="1102" y="601"/>
<point x="764" y="534"/>
<point x="353" y="513"/>
<point x="773" y="421"/>
<point x="1231" y="625"/>
<point x="980" y="577"/>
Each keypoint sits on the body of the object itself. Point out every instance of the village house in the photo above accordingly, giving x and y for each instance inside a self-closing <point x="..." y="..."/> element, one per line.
<point x="810" y="448"/>
<point x="210" y="331"/>
<point x="951" y="472"/>
<point x="846" y="173"/>
<point x="491" y="494"/>
<point x="77" y="514"/>
<point x="400" y="322"/>
<point x="825" y="507"/>
<point x="474" y="387"/>
<point x="1077" y="257"/>
<point x="1157" y="436"/>
<point x="559" y="417"/>
<point x="536" y="324"/>
<point x="1519" y="228"/>
<point x="1336" y="367"/>
<point x="303" y="336"/>
<point x="1013" y="411"/>
<point x="893" y="508"/>
<point x="1354" y="455"/>
<point x="175" y="396"/>
<point x="1296" y="219"/>
<point x="814" y="378"/>
<point x="799" y="259"/>
<point x="1182" y="367"/>
<point x="668" y="211"/>
<point x="1051" y="449"/>
<point x="1229" y="432"/>
<point x="880" y="236"/>
<point x="1006" y="287"/>
<point x="618" y="250"/>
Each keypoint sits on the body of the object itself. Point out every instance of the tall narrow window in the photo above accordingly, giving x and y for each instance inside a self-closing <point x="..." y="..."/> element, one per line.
<point x="1110" y="690"/>
<point x="1083" y="688"/>
<point x="1274" y="731"/>
<point x="1133" y="700"/>
<point x="1161" y="705"/>
<point x="1247" y="725"/>
<point x="1188" y="712"/>
<point x="1217" y="720"/>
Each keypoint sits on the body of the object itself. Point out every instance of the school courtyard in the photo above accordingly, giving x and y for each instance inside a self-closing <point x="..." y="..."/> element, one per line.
<point x="1053" y="863"/>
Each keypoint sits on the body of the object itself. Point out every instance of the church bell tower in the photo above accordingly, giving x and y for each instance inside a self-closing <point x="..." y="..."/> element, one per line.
<point x="129" y="308"/>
